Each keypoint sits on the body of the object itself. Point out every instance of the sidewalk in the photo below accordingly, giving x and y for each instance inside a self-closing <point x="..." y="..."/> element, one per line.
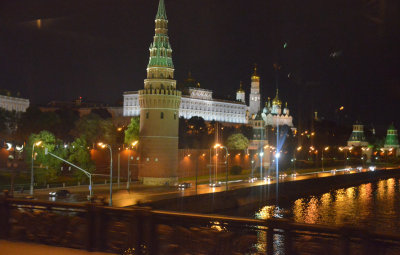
<point x="19" y="248"/>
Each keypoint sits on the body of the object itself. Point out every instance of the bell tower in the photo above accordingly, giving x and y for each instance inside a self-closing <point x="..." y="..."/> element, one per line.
<point x="159" y="110"/>
<point x="255" y="103"/>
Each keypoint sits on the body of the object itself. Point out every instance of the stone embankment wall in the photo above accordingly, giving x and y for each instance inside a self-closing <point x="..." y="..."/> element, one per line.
<point x="256" y="196"/>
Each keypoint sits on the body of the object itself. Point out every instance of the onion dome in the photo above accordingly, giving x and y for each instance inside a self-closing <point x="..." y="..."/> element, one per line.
<point x="276" y="100"/>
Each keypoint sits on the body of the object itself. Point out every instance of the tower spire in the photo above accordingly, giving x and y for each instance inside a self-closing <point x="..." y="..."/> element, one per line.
<point x="161" y="13"/>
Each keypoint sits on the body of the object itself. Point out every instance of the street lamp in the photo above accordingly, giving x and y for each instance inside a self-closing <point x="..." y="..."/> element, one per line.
<point x="322" y="159"/>
<point x="261" y="163"/>
<point x="102" y="145"/>
<point x="299" y="148"/>
<point x="226" y="162"/>
<point x="33" y="148"/>
<point x="128" y="182"/>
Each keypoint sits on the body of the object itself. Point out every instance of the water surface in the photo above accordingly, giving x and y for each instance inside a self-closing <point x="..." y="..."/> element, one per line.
<point x="373" y="205"/>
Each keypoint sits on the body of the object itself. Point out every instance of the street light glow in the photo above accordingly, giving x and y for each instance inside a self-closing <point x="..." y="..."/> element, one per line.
<point x="217" y="145"/>
<point x="278" y="155"/>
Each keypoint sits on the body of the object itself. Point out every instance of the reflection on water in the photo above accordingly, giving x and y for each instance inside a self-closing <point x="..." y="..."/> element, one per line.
<point x="372" y="205"/>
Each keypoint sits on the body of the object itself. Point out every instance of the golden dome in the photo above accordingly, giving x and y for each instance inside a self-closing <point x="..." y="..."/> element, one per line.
<point x="276" y="100"/>
<point x="255" y="75"/>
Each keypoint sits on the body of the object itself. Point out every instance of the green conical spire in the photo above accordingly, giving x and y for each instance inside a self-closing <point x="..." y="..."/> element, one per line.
<point x="161" y="13"/>
<point x="160" y="48"/>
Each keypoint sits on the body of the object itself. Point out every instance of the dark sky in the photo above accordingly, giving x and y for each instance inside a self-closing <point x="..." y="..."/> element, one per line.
<point x="99" y="48"/>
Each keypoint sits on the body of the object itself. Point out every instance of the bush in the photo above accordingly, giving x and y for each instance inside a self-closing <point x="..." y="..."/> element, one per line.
<point x="235" y="170"/>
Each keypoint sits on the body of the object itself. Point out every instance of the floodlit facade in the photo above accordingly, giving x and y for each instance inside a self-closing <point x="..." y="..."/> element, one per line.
<point x="14" y="103"/>
<point x="199" y="103"/>
<point x="357" y="137"/>
<point x="273" y="115"/>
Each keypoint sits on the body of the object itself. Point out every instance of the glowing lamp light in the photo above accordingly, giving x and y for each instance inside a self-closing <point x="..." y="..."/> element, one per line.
<point x="134" y="143"/>
<point x="278" y="155"/>
<point x="9" y="146"/>
<point x="261" y="154"/>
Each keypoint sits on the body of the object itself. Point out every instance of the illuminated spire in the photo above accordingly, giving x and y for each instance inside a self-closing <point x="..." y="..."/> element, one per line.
<point x="161" y="13"/>
<point x="160" y="48"/>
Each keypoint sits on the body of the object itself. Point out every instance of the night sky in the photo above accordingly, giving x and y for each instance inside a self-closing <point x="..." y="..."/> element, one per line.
<point x="337" y="52"/>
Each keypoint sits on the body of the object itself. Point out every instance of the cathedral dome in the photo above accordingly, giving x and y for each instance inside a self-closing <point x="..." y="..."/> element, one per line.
<point x="276" y="100"/>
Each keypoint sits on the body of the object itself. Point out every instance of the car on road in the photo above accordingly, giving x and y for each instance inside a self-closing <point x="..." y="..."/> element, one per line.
<point x="252" y="179"/>
<point x="215" y="184"/>
<point x="184" y="185"/>
<point x="62" y="193"/>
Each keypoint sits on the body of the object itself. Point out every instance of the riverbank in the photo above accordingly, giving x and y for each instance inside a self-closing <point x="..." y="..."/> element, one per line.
<point x="256" y="196"/>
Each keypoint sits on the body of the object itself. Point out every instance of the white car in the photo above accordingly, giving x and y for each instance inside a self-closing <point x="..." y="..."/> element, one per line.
<point x="215" y="184"/>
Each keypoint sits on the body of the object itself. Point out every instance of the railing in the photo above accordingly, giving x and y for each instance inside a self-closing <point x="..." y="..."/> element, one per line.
<point x="139" y="230"/>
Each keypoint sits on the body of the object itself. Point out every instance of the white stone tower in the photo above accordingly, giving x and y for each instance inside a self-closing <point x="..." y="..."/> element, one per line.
<point x="255" y="103"/>
<point x="240" y="94"/>
<point x="159" y="110"/>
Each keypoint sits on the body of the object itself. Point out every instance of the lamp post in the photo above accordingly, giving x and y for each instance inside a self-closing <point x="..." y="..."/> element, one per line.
<point x="102" y="145"/>
<point x="33" y="148"/>
<point x="128" y="182"/>
<point x="261" y="162"/>
<point x="226" y="162"/>
<point x="295" y="158"/>
<point x="345" y="149"/>
<point x="252" y="168"/>
<point x="322" y="159"/>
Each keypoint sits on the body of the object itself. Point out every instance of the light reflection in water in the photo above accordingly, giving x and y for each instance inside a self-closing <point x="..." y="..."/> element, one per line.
<point x="372" y="205"/>
<point x="375" y="206"/>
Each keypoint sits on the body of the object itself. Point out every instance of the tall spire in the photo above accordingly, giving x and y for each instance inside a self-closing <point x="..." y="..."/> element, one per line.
<point x="161" y="13"/>
<point x="160" y="48"/>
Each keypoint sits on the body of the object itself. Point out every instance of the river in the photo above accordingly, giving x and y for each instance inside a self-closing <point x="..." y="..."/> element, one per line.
<point x="374" y="205"/>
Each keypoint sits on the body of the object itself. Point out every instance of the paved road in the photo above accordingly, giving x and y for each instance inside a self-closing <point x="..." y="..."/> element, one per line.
<point x="141" y="194"/>
<point x="19" y="248"/>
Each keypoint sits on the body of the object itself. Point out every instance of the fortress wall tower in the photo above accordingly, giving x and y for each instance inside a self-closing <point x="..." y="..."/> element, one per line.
<point x="159" y="110"/>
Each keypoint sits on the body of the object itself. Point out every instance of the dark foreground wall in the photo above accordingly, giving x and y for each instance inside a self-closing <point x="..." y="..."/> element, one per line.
<point x="254" y="197"/>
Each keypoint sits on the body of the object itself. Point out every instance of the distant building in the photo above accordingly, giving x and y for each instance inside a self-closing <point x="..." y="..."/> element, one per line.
<point x="240" y="94"/>
<point x="196" y="101"/>
<point x="357" y="137"/>
<point x="392" y="141"/>
<point x="273" y="114"/>
<point x="392" y="138"/>
<point x="14" y="103"/>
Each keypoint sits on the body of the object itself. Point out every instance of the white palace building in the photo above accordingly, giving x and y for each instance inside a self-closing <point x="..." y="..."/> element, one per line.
<point x="199" y="102"/>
